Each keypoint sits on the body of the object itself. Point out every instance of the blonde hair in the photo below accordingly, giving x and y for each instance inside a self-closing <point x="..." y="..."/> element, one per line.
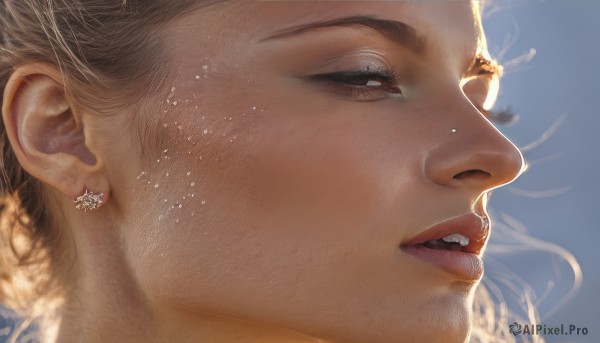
<point x="110" y="54"/>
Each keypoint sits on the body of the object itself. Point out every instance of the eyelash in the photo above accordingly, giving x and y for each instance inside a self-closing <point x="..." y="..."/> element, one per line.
<point x="346" y="83"/>
<point x="504" y="116"/>
<point x="354" y="84"/>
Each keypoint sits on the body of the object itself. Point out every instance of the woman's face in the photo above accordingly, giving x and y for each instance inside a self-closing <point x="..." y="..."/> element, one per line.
<point x="288" y="180"/>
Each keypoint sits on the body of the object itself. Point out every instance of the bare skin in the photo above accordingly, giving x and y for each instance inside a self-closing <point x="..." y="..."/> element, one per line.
<point x="274" y="210"/>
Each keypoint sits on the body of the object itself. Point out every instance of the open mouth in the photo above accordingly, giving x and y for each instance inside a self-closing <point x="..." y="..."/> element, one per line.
<point x="467" y="233"/>
<point x="453" y="242"/>
<point x="454" y="245"/>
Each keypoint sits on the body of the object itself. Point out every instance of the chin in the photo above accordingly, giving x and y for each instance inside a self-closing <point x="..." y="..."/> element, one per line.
<point x="444" y="318"/>
<point x="428" y="333"/>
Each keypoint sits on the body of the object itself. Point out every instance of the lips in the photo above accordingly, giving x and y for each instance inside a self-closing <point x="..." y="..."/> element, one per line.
<point x="454" y="245"/>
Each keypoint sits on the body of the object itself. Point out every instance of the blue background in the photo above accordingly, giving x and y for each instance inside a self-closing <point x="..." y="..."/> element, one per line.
<point x="556" y="199"/>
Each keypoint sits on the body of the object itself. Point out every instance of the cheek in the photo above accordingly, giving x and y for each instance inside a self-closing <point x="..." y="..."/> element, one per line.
<point x="296" y="202"/>
<point x="315" y="178"/>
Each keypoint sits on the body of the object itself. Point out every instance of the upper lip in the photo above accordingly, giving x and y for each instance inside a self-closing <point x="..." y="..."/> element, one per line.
<point x="471" y="225"/>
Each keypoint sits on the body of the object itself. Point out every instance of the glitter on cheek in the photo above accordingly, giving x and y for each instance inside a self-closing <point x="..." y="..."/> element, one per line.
<point x="193" y="132"/>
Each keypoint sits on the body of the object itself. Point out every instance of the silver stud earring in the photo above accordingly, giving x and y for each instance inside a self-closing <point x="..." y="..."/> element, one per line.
<point x="453" y="130"/>
<point x="89" y="201"/>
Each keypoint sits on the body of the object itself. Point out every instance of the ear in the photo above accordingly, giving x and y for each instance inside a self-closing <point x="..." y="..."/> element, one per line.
<point x="47" y="132"/>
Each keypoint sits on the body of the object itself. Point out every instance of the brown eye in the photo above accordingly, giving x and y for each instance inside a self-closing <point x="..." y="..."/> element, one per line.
<point x="362" y="85"/>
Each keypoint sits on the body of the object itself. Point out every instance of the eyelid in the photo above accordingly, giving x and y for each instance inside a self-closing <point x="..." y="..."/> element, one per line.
<point x="492" y="86"/>
<point x="382" y="71"/>
<point x="355" y="59"/>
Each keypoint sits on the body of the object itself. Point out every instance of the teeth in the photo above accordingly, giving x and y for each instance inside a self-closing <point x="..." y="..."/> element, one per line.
<point x="457" y="238"/>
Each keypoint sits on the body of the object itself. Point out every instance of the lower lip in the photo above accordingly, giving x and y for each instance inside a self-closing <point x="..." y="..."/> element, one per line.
<point x="466" y="266"/>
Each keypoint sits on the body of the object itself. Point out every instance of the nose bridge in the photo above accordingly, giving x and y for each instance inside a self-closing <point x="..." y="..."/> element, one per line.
<point x="471" y="152"/>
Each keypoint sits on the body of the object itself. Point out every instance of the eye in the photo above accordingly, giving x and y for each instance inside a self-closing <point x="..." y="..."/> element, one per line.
<point x="362" y="85"/>
<point x="482" y="92"/>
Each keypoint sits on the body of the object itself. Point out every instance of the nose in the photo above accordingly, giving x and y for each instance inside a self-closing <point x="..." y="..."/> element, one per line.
<point x="472" y="153"/>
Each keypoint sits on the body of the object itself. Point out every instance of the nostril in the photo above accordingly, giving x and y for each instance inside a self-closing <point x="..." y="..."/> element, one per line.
<point x="472" y="174"/>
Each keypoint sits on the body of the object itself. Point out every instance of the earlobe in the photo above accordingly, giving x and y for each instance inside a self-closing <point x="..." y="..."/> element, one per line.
<point x="47" y="132"/>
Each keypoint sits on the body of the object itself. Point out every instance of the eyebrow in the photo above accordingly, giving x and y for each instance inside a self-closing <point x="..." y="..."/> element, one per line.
<point x="397" y="31"/>
<point x="482" y="66"/>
